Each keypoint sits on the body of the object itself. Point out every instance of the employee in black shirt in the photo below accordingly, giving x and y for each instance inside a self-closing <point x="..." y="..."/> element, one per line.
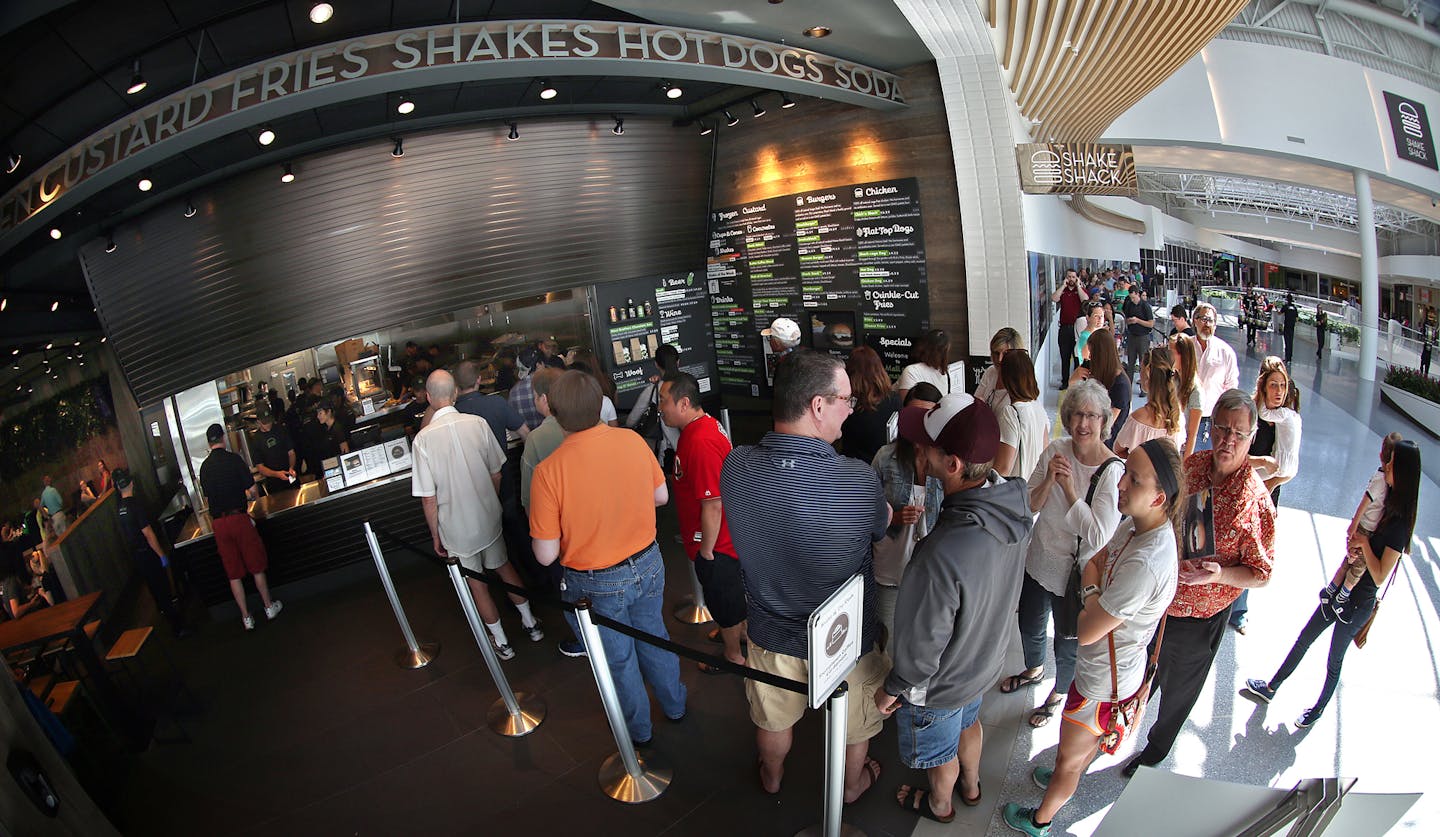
<point x="334" y="438"/>
<point x="226" y="482"/>
<point x="151" y="559"/>
<point x="274" y="454"/>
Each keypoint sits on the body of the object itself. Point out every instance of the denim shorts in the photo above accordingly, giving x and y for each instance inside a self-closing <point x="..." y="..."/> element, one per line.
<point x="931" y="737"/>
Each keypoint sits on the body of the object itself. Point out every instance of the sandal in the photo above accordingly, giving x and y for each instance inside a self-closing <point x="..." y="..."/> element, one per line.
<point x="871" y="767"/>
<point x="916" y="801"/>
<point x="970" y="802"/>
<point x="1016" y="682"/>
<point x="1043" y="713"/>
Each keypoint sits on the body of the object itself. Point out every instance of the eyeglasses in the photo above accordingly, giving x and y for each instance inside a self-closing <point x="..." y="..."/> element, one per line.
<point x="1095" y="417"/>
<point x="1220" y="431"/>
<point x="1204" y="319"/>
<point x="848" y="399"/>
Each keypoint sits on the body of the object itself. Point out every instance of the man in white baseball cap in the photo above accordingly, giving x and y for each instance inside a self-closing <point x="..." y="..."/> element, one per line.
<point x="956" y="597"/>
<point x="784" y="335"/>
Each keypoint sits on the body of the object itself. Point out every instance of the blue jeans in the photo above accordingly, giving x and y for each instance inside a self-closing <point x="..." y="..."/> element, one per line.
<point x="633" y="592"/>
<point x="1036" y="604"/>
<point x="931" y="737"/>
<point x="1339" y="644"/>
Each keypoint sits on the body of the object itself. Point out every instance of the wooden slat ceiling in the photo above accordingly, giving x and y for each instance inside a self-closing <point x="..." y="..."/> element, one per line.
<point x="1076" y="65"/>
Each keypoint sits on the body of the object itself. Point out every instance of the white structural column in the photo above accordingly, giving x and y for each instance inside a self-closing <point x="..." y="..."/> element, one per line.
<point x="1369" y="277"/>
<point x="978" y="114"/>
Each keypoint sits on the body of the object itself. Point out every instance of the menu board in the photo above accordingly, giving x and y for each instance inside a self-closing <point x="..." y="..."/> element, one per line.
<point x="637" y="316"/>
<point x="847" y="264"/>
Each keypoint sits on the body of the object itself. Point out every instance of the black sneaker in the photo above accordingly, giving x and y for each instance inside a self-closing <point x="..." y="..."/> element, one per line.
<point x="1259" y="689"/>
<point x="1128" y="771"/>
<point x="1307" y="718"/>
<point x="572" y="648"/>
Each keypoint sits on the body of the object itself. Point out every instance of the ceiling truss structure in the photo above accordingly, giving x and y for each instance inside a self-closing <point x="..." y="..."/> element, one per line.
<point x="1219" y="194"/>
<point x="1394" y="36"/>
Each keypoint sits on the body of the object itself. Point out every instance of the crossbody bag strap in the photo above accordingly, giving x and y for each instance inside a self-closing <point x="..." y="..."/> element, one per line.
<point x="1114" y="677"/>
<point x="1090" y="493"/>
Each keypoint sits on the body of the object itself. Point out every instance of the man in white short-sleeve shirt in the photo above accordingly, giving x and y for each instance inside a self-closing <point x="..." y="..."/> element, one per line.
<point x="1217" y="372"/>
<point x="456" y="475"/>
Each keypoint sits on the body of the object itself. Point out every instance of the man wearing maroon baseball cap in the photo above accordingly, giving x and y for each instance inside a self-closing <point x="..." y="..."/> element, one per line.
<point x="956" y="604"/>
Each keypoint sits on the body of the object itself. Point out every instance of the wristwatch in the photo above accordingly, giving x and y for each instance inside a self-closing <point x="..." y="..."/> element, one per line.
<point x="1088" y="591"/>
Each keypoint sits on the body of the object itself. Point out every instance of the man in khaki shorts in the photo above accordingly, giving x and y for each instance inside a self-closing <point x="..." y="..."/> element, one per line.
<point x="803" y="519"/>
<point x="456" y="475"/>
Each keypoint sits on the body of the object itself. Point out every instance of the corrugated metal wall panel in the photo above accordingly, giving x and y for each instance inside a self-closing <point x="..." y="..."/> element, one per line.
<point x="362" y="240"/>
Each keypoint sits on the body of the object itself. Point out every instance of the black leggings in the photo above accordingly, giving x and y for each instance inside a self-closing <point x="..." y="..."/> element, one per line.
<point x="1339" y="644"/>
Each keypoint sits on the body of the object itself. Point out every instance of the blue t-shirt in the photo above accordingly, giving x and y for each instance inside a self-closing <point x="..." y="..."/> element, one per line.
<point x="496" y="411"/>
<point x="50" y="498"/>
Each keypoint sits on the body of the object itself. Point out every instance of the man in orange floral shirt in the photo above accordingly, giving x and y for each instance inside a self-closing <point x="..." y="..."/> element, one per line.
<point x="1244" y="550"/>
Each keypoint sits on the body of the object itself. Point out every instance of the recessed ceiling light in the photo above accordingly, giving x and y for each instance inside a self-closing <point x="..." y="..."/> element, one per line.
<point x="77" y="342"/>
<point x="817" y="31"/>
<point x="137" y="81"/>
<point x="321" y="12"/>
<point x="54" y="306"/>
<point x="547" y="90"/>
<point x="289" y="175"/>
<point x="4" y="301"/>
<point x="145" y="184"/>
<point x="48" y="347"/>
<point x="399" y="149"/>
<point x="406" y="106"/>
<point x="55" y="233"/>
<point x="672" y="91"/>
<point x="514" y="131"/>
<point x="267" y="136"/>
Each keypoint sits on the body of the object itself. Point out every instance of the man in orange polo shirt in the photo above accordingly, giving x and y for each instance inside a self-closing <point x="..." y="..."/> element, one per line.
<point x="592" y="507"/>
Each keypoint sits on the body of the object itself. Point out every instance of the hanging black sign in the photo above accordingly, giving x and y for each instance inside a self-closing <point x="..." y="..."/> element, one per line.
<point x="637" y="316"/>
<point x="1411" y="127"/>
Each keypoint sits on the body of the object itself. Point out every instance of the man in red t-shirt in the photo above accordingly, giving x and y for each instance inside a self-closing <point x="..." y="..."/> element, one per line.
<point x="1071" y="296"/>
<point x="698" y="457"/>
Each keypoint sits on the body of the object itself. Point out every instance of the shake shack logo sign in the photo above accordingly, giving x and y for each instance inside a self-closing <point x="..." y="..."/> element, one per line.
<point x="1076" y="168"/>
<point x="835" y="636"/>
<point x="1411" y="127"/>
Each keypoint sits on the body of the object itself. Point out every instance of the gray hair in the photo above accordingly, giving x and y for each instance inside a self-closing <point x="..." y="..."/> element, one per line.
<point x="1237" y="399"/>
<point x="440" y="386"/>
<point x="1204" y="306"/>
<point x="1087" y="393"/>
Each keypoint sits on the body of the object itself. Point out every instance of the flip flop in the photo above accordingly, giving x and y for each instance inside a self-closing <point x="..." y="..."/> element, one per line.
<point x="1016" y="682"/>
<point x="915" y="802"/>
<point x="872" y="767"/>
<point x="1043" y="713"/>
<point x="706" y="668"/>
<point x="971" y="803"/>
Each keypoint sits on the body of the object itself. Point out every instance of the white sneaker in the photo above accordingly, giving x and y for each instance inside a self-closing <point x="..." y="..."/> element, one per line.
<point x="504" y="652"/>
<point x="249" y="622"/>
<point x="274" y="609"/>
<point x="535" y="631"/>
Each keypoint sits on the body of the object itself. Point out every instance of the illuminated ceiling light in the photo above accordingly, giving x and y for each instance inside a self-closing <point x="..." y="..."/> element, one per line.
<point x="145" y="184"/>
<point x="289" y="175"/>
<point x="54" y="306"/>
<point x="619" y="127"/>
<point x="12" y="163"/>
<point x="547" y="90"/>
<point x="109" y="248"/>
<point x="406" y="106"/>
<point x="514" y="131"/>
<point x="103" y="339"/>
<point x="48" y="347"/>
<point x="5" y="301"/>
<point x="14" y="351"/>
<point x="731" y="119"/>
<point x="755" y="106"/>
<point x="55" y="233"/>
<point x="189" y="208"/>
<point x="77" y="342"/>
<point x="267" y="135"/>
<point x="706" y="129"/>
<point x="817" y="32"/>
<point x="137" y="81"/>
<point x="321" y="12"/>
<point x="399" y="149"/>
<point x="786" y="102"/>
<point x="672" y="91"/>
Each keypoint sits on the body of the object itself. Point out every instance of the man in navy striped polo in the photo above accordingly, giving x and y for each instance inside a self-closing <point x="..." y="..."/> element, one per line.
<point x="803" y="520"/>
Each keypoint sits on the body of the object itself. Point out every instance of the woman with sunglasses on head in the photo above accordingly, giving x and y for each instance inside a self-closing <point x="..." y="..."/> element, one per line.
<point x="1161" y="416"/>
<point x="1126" y="588"/>
<point x="1103" y="366"/>
<point x="1382" y="551"/>
<point x="1072" y="493"/>
<point x="990" y="389"/>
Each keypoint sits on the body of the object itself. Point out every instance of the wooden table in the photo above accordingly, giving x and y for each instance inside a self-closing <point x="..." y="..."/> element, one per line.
<point x="68" y="620"/>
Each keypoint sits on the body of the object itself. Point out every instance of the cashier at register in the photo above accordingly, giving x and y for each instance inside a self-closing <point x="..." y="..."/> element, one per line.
<point x="336" y="439"/>
<point x="274" y="454"/>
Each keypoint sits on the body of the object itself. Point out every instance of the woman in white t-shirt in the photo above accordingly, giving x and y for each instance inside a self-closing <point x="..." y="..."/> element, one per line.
<point x="990" y="390"/>
<point x="1070" y="527"/>
<point x="1024" y="424"/>
<point x="1126" y="589"/>
<point x="929" y="362"/>
<point x="1162" y="416"/>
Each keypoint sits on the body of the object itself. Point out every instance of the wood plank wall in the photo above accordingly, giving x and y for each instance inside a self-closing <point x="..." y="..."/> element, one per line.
<point x="817" y="145"/>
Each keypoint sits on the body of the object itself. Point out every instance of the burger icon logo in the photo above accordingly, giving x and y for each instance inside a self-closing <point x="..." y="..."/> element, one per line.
<point x="1045" y="166"/>
<point x="835" y="637"/>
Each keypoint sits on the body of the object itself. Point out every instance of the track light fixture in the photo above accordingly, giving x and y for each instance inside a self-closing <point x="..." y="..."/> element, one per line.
<point x="145" y="184"/>
<point x="137" y="81"/>
<point x="731" y="119"/>
<point x="706" y="129"/>
<point x="547" y="90"/>
<point x="55" y="233"/>
<point x="619" y="127"/>
<point x="406" y="106"/>
<point x="321" y="12"/>
<point x="12" y="163"/>
<point x="54" y="306"/>
<point x="289" y="175"/>
<point x="514" y="131"/>
<point x="109" y="242"/>
<point x="189" y="208"/>
<point x="755" y="106"/>
<point x="786" y="102"/>
<point x="399" y="149"/>
<point x="672" y="91"/>
<point x="267" y="136"/>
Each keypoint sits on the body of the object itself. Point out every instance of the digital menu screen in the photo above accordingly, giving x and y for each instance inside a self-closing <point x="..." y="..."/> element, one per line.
<point x="637" y="316"/>
<point x="847" y="264"/>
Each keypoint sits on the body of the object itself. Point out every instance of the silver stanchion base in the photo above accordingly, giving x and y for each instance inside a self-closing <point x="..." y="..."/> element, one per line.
<point x="532" y="714"/>
<point x="655" y="777"/>
<point x="405" y="658"/>
<point x="690" y="614"/>
<point x="818" y="830"/>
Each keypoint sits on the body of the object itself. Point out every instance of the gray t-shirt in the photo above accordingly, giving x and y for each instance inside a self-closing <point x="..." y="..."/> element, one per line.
<point x="1136" y="587"/>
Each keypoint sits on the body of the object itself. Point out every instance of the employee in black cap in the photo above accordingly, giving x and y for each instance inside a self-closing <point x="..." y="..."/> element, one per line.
<point x="334" y="438"/>
<point x="151" y="559"/>
<point x="226" y="482"/>
<point x="274" y="454"/>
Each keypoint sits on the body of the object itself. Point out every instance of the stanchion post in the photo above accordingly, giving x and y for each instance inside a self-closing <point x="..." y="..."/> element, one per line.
<point x="625" y="776"/>
<point x="692" y="611"/>
<point x="415" y="654"/>
<point x="515" y="713"/>
<point x="725" y="422"/>
<point x="832" y="823"/>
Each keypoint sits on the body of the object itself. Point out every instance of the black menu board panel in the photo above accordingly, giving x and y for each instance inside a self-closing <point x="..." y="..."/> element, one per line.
<point x="847" y="264"/>
<point x="637" y="316"/>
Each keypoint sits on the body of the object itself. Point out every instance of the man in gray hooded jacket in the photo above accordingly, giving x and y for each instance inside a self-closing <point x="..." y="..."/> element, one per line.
<point x="956" y="604"/>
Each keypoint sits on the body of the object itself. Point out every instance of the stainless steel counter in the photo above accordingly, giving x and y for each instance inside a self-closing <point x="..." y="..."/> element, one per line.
<point x="198" y="527"/>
